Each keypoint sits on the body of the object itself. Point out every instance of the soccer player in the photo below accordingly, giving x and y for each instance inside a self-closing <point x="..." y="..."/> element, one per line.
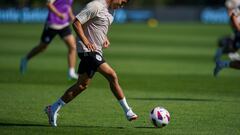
<point x="235" y="19"/>
<point x="229" y="45"/>
<point x="59" y="17"/>
<point x="91" y="26"/>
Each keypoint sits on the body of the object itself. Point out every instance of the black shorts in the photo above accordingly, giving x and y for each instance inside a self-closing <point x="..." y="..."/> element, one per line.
<point x="227" y="44"/>
<point x="236" y="40"/>
<point x="48" y="33"/>
<point x="89" y="63"/>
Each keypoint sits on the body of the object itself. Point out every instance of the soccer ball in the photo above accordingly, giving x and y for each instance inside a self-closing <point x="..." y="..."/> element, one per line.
<point x="160" y="117"/>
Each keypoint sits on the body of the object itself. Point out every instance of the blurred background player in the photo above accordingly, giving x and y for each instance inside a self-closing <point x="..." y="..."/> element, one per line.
<point x="59" y="17"/>
<point x="235" y="20"/>
<point x="229" y="44"/>
<point x="91" y="26"/>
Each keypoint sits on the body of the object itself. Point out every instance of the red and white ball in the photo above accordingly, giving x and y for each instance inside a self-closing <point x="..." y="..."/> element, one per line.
<point x="160" y="117"/>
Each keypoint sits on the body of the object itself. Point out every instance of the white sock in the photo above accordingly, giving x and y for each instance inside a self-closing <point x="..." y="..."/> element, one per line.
<point x="71" y="71"/>
<point x="124" y="105"/>
<point x="58" y="105"/>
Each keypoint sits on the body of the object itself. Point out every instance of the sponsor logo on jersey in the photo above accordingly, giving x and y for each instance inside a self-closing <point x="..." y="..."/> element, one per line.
<point x="98" y="57"/>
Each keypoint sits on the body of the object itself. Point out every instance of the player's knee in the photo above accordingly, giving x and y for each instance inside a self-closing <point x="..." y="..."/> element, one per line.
<point x="82" y="87"/>
<point x="71" y="43"/>
<point x="72" y="49"/>
<point x="42" y="47"/>
<point x="113" y="77"/>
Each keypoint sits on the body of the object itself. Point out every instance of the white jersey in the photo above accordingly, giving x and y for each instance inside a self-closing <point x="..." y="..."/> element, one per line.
<point x="236" y="12"/>
<point x="231" y="4"/>
<point x="95" y="19"/>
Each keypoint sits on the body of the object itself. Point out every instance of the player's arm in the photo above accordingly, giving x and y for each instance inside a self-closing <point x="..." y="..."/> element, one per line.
<point x="77" y="26"/>
<point x="52" y="8"/>
<point x="71" y="14"/>
<point x="106" y="43"/>
<point x="89" y="12"/>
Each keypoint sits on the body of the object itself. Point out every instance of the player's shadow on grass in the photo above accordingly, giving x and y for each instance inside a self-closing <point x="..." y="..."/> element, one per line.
<point x="81" y="126"/>
<point x="146" y="127"/>
<point x="21" y="125"/>
<point x="2" y="124"/>
<point x="175" y="99"/>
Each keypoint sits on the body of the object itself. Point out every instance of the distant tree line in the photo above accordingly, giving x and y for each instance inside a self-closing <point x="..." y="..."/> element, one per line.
<point x="134" y="3"/>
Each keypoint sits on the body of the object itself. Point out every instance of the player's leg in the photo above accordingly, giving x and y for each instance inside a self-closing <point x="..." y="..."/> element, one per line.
<point x="236" y="44"/>
<point x="69" y="95"/>
<point x="42" y="46"/>
<point x="47" y="36"/>
<point x="36" y="50"/>
<point x="233" y="54"/>
<point x="116" y="89"/>
<point x="218" y="54"/>
<point x="219" y="66"/>
<point x="112" y="78"/>
<point x="222" y="42"/>
<point x="235" y="64"/>
<point x="226" y="64"/>
<point x="81" y="85"/>
<point x="70" y="41"/>
<point x="71" y="44"/>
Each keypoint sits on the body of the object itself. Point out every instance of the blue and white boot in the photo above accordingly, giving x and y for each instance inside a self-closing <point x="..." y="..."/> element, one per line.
<point x="219" y="66"/>
<point x="52" y="115"/>
<point x="23" y="65"/>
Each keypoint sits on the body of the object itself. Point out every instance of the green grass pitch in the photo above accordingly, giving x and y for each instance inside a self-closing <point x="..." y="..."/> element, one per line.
<point x="169" y="66"/>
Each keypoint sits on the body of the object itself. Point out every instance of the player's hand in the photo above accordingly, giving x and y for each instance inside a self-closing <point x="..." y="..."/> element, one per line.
<point x="106" y="43"/>
<point x="62" y="16"/>
<point x="90" y="47"/>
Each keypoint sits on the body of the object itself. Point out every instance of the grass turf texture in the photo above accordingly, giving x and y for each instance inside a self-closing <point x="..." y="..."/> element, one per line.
<point x="169" y="66"/>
